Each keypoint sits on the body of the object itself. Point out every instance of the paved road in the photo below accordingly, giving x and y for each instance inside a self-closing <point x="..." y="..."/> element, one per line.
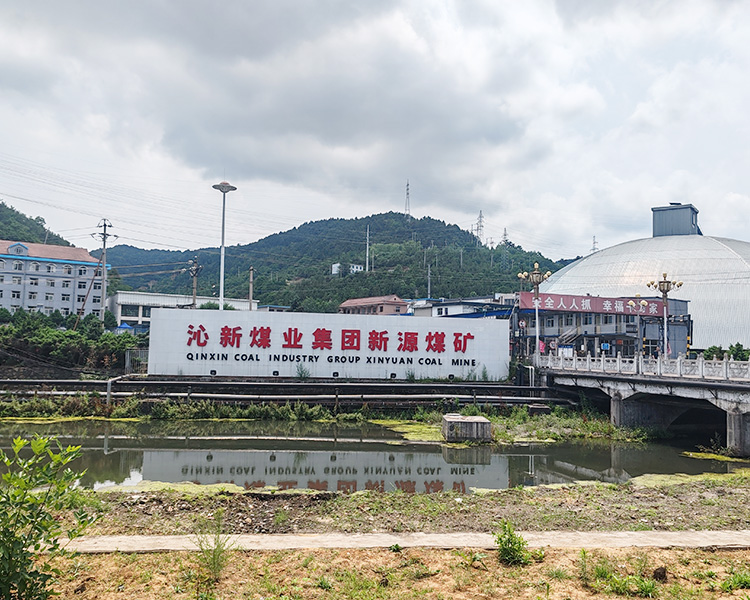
<point x="553" y="539"/>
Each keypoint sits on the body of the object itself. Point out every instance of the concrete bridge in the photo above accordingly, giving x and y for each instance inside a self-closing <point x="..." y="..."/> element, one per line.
<point x="654" y="392"/>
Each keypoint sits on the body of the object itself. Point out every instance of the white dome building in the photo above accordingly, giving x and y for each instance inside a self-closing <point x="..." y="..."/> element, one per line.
<point x="715" y="273"/>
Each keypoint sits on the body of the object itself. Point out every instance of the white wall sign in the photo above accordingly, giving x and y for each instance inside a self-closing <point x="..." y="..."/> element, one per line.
<point x="260" y="344"/>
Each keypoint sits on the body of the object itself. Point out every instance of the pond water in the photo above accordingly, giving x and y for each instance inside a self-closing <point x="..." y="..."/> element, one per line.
<point x="335" y="457"/>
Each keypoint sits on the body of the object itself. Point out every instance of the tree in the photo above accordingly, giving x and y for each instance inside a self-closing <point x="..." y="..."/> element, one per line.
<point x="32" y="491"/>
<point x="110" y="321"/>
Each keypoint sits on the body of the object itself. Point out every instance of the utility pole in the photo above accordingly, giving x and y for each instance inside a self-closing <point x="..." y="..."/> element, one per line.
<point x="194" y="269"/>
<point x="252" y="277"/>
<point x="429" y="282"/>
<point x="367" y="252"/>
<point x="104" y="223"/>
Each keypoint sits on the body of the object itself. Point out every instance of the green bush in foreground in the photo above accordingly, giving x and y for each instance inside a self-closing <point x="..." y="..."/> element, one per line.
<point x="31" y="491"/>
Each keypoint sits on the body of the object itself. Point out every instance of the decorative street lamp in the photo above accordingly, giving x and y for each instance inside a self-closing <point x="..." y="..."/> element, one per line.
<point x="535" y="278"/>
<point x="643" y="304"/>
<point x="223" y="187"/>
<point x="665" y="286"/>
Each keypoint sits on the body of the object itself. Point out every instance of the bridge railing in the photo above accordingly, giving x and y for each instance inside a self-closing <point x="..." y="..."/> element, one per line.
<point x="698" y="368"/>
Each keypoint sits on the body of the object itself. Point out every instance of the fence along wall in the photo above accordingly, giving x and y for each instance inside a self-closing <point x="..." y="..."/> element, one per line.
<point x="249" y="343"/>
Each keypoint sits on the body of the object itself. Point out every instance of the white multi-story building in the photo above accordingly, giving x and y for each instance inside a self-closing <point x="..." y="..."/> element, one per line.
<point x="46" y="278"/>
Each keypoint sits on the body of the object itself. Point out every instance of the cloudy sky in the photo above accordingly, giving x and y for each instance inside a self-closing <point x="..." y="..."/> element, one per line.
<point x="560" y="121"/>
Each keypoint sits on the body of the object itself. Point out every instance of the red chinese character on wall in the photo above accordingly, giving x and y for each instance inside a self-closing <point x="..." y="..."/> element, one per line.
<point x="459" y="486"/>
<point x="350" y="339"/>
<point x="460" y="340"/>
<point x="322" y="339"/>
<point x="197" y="335"/>
<point x="408" y="341"/>
<point x="260" y="337"/>
<point x="320" y="486"/>
<point x="287" y="485"/>
<point x="378" y="340"/>
<point x="435" y="341"/>
<point x="255" y="484"/>
<point x="292" y="338"/>
<point x="230" y="336"/>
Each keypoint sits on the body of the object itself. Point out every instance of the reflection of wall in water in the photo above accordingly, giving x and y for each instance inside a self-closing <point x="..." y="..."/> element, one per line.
<point x="331" y="471"/>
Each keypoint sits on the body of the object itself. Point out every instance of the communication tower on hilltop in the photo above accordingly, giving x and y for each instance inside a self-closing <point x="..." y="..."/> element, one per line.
<point x="407" y="209"/>
<point x="593" y="246"/>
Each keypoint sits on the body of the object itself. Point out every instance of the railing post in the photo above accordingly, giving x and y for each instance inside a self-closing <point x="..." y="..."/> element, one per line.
<point x="588" y="361"/>
<point x="658" y="365"/>
<point x="575" y="360"/>
<point x="701" y="366"/>
<point x="679" y="365"/>
<point x="619" y="362"/>
<point x="725" y="366"/>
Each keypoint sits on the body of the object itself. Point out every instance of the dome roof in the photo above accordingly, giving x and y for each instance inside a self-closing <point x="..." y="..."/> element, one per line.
<point x="715" y="273"/>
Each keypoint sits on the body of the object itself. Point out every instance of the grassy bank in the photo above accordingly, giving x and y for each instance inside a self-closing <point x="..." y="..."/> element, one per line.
<point x="510" y="424"/>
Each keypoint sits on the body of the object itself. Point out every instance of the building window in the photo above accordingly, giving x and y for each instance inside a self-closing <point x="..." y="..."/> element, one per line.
<point x="50" y="268"/>
<point x="97" y="285"/>
<point x="147" y="311"/>
<point x="49" y="296"/>
<point x="630" y="318"/>
<point x="50" y="283"/>
<point x="64" y="312"/>
<point x="81" y="298"/>
<point x="49" y="310"/>
<point x="34" y="266"/>
<point x="17" y="265"/>
<point x="32" y="295"/>
<point x="607" y="319"/>
<point x="82" y="271"/>
<point x="440" y="312"/>
<point x="588" y="319"/>
<point x="2" y="278"/>
<point x="2" y="264"/>
<point x="568" y="320"/>
<point x="98" y="272"/>
<point x="16" y="280"/>
<point x="550" y="322"/>
<point x="19" y="250"/>
<point x="1" y="293"/>
<point x="129" y="310"/>
<point x="97" y="299"/>
<point x="33" y="281"/>
<point x="65" y="297"/>
<point x="15" y="294"/>
<point x="66" y="283"/>
<point x="81" y="312"/>
<point x="68" y="270"/>
<point x="81" y="285"/>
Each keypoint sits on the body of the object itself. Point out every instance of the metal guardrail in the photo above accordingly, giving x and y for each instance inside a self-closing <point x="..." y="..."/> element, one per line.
<point x="680" y="367"/>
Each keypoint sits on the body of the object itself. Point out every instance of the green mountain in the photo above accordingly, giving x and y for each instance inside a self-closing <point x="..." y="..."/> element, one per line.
<point x="18" y="227"/>
<point x="294" y="267"/>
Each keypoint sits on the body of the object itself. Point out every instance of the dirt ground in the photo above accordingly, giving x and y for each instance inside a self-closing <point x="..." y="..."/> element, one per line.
<point x="719" y="502"/>
<point x="411" y="573"/>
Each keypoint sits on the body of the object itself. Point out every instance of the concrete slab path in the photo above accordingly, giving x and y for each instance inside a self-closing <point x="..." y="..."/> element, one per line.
<point x="536" y="539"/>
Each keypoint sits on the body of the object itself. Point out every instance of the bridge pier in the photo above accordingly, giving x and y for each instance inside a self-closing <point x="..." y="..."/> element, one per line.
<point x="630" y="412"/>
<point x="738" y="432"/>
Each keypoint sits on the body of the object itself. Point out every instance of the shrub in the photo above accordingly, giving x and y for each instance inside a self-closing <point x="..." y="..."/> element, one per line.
<point x="511" y="547"/>
<point x="32" y="490"/>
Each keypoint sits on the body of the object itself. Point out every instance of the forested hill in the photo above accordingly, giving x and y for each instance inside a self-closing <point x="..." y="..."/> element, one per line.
<point x="294" y="267"/>
<point x="18" y="227"/>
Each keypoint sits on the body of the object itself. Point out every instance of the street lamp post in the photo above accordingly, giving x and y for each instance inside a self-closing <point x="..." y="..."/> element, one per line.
<point x="643" y="304"/>
<point x="536" y="277"/>
<point x="223" y="187"/>
<point x="665" y="286"/>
